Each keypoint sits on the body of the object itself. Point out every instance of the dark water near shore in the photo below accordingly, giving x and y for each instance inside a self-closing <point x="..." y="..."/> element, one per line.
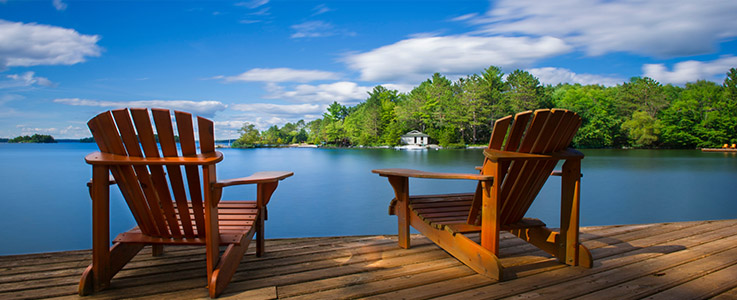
<point x="45" y="205"/>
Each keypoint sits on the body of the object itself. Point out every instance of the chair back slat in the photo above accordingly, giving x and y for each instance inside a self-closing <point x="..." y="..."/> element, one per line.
<point x="207" y="135"/>
<point x="148" y="142"/>
<point x="108" y="140"/>
<point x="162" y="118"/>
<point x="540" y="132"/>
<point x="162" y="202"/>
<point x="189" y="148"/>
<point x="130" y="140"/>
<point x="567" y="127"/>
<point x="523" y="191"/>
<point x="511" y="181"/>
<point x="521" y="120"/>
<point x="167" y="141"/>
<point x="498" y="134"/>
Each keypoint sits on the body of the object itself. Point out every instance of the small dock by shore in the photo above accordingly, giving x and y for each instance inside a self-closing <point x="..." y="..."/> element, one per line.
<point x="733" y="150"/>
<point x="682" y="260"/>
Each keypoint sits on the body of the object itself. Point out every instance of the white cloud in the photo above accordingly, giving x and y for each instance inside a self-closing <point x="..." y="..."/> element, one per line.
<point x="344" y="92"/>
<point x="402" y="88"/>
<point x="464" y="17"/>
<point x="24" y="80"/>
<point x="10" y="97"/>
<point x="663" y="28"/>
<point x="229" y="124"/>
<point x="280" y="109"/>
<point x="32" y="130"/>
<point x="246" y="21"/>
<point x="320" y="9"/>
<point x="202" y="108"/>
<point x="30" y="44"/>
<point x="265" y="115"/>
<point x="691" y="71"/>
<point x="312" y="29"/>
<point x="281" y="75"/>
<point x="555" y="76"/>
<point x="59" y="5"/>
<point x="252" y="4"/>
<point x="415" y="59"/>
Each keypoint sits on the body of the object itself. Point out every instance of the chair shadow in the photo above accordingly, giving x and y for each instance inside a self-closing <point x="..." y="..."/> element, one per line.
<point x="528" y="259"/>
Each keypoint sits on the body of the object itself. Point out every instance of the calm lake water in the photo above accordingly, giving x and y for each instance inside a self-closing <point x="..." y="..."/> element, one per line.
<point x="46" y="207"/>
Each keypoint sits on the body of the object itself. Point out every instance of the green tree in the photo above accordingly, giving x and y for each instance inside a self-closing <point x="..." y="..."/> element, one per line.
<point x="35" y="138"/>
<point x="474" y="108"/>
<point x="730" y="104"/>
<point x="250" y="136"/>
<point x="600" y="127"/>
<point x="643" y="130"/>
<point x="272" y="136"/>
<point x="524" y="93"/>
<point x="641" y="94"/>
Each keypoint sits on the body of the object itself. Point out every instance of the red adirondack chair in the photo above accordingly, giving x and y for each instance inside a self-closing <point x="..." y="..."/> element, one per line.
<point x="177" y="212"/>
<point x="517" y="163"/>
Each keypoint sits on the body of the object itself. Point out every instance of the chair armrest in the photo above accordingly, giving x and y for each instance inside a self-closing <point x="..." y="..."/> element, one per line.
<point x="560" y="173"/>
<point x="100" y="158"/>
<point x="434" y="175"/>
<point x="258" y="177"/>
<point x="498" y="155"/>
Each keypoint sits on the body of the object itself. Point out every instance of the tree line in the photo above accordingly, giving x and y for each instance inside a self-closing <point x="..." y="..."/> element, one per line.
<point x="640" y="113"/>
<point x="36" y="138"/>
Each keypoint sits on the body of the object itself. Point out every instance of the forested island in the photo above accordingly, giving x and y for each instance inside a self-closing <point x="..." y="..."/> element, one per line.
<point x="43" y="138"/>
<point x="36" y="138"/>
<point x="640" y="113"/>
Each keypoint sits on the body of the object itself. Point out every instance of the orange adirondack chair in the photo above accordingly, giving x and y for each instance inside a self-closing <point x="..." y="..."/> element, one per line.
<point x="517" y="163"/>
<point x="175" y="213"/>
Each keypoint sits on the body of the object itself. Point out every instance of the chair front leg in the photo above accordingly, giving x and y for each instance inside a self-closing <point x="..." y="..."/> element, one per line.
<point x="264" y="192"/>
<point x="569" y="218"/>
<point x="212" y="230"/>
<point x="490" y="207"/>
<point x="97" y="276"/>
<point x="401" y="192"/>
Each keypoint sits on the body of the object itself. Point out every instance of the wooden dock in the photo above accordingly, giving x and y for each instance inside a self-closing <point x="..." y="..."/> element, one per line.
<point x="684" y="260"/>
<point x="732" y="150"/>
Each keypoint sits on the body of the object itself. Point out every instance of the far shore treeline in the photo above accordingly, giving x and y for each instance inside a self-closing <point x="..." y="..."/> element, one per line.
<point x="36" y="138"/>
<point x="640" y="113"/>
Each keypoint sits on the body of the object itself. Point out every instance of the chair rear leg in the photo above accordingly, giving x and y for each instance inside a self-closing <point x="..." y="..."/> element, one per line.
<point x="401" y="192"/>
<point x="260" y="232"/>
<point x="157" y="250"/>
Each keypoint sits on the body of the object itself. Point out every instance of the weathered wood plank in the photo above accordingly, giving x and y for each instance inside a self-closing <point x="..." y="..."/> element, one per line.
<point x="600" y="280"/>
<point x="471" y="282"/>
<point x="630" y="252"/>
<point x="688" y="260"/>
<point x="703" y="287"/>
<point x="391" y="285"/>
<point x="654" y="282"/>
<point x="728" y="295"/>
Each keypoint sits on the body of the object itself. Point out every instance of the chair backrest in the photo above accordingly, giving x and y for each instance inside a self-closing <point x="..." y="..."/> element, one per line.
<point x="539" y="132"/>
<point x="160" y="207"/>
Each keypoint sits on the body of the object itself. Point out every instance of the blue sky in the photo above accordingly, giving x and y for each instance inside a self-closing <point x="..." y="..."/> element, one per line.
<point x="272" y="62"/>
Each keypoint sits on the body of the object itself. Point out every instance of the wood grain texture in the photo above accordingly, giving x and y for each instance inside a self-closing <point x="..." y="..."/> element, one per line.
<point x="694" y="260"/>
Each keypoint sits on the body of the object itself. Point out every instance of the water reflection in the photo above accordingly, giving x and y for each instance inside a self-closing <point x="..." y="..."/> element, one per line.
<point x="334" y="192"/>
